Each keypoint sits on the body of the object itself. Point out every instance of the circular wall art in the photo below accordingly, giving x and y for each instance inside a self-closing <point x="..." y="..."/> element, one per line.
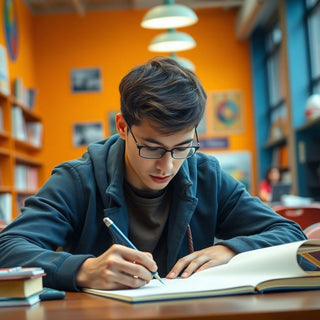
<point x="10" y="28"/>
<point x="227" y="112"/>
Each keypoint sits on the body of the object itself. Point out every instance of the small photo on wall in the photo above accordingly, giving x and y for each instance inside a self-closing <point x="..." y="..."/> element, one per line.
<point x="112" y="122"/>
<point x="86" y="80"/>
<point x="86" y="132"/>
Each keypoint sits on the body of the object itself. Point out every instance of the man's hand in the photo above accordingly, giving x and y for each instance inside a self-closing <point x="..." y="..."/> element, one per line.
<point x="117" y="268"/>
<point x="200" y="260"/>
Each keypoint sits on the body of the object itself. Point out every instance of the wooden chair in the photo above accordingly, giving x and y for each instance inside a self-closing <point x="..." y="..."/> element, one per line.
<point x="313" y="231"/>
<point x="305" y="216"/>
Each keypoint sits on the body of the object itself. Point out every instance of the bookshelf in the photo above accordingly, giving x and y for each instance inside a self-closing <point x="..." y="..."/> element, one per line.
<point x="20" y="143"/>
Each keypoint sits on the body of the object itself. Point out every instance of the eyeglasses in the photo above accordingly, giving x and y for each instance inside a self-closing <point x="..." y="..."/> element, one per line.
<point x="159" y="152"/>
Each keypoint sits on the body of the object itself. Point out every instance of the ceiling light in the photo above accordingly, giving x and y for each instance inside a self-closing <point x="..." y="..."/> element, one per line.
<point x="168" y="16"/>
<point x="172" y="41"/>
<point x="182" y="61"/>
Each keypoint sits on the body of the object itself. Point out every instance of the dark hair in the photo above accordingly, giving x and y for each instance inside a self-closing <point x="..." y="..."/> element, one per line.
<point x="267" y="178"/>
<point x="164" y="92"/>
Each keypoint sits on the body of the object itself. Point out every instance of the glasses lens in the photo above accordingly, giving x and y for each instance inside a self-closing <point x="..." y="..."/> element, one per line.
<point x="157" y="152"/>
<point x="151" y="153"/>
<point x="183" y="153"/>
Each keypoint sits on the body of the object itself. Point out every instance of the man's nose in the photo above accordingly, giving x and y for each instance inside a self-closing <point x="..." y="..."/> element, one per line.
<point x="165" y="164"/>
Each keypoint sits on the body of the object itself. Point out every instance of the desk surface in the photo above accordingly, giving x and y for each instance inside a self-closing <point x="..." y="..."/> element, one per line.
<point x="288" y="305"/>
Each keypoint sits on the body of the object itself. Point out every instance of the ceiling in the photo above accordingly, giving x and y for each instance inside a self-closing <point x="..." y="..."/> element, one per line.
<point x="82" y="6"/>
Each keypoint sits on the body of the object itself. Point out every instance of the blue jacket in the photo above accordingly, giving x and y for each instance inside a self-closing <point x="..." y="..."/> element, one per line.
<point x="68" y="212"/>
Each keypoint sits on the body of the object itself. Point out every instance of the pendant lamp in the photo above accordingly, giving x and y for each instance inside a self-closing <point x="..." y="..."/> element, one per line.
<point x="182" y="61"/>
<point x="172" y="41"/>
<point x="169" y="16"/>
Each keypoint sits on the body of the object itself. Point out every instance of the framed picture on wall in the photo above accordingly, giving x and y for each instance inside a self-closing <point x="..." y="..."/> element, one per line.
<point x="237" y="164"/>
<point x="86" y="80"/>
<point x="84" y="133"/>
<point x="227" y="111"/>
<point x="112" y="122"/>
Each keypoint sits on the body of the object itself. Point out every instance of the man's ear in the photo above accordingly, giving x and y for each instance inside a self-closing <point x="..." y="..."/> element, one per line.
<point x="121" y="125"/>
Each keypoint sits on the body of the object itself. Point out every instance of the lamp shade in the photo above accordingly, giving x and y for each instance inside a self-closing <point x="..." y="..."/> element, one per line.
<point x="172" y="41"/>
<point x="169" y="16"/>
<point x="183" y="61"/>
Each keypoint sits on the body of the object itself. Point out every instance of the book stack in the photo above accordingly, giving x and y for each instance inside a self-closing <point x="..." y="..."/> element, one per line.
<point x="20" y="286"/>
<point x="34" y="133"/>
<point x="19" y="125"/>
<point x="26" y="178"/>
<point x="24" y="96"/>
<point x="24" y="129"/>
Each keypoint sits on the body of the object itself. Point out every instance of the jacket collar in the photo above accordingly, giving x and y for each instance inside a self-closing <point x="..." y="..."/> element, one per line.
<point x="105" y="157"/>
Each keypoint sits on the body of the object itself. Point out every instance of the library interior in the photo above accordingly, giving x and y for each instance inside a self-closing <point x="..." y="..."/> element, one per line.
<point x="61" y="63"/>
<point x="61" y="66"/>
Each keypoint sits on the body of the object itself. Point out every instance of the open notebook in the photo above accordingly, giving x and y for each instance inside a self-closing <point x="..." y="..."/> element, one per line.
<point x="272" y="268"/>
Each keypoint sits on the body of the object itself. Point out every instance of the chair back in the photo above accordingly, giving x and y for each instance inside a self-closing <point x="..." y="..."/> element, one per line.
<point x="313" y="231"/>
<point x="305" y="216"/>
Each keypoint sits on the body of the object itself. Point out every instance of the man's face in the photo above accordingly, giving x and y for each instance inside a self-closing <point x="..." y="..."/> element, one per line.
<point x="153" y="174"/>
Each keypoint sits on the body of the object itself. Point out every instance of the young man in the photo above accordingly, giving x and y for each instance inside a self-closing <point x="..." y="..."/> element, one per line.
<point x="170" y="200"/>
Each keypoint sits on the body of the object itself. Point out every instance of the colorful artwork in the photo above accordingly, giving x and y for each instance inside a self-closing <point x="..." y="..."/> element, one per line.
<point x="237" y="164"/>
<point x="10" y="28"/>
<point x="227" y="112"/>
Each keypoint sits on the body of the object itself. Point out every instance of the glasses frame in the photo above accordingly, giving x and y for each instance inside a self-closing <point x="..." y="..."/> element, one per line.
<point x="140" y="147"/>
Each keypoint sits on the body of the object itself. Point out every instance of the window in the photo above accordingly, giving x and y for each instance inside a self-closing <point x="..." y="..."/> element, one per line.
<point x="313" y="27"/>
<point x="275" y="80"/>
<point x="273" y="42"/>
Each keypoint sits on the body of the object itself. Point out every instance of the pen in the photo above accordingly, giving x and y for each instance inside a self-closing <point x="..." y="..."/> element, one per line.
<point x="118" y="233"/>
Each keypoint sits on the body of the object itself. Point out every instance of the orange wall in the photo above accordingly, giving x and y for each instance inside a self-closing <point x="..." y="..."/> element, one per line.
<point x="115" y="42"/>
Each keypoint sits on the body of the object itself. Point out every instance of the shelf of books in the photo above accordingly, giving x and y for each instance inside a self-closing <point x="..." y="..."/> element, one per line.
<point x="20" y="142"/>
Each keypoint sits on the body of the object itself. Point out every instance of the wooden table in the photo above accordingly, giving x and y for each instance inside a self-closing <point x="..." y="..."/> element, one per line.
<point x="302" y="305"/>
